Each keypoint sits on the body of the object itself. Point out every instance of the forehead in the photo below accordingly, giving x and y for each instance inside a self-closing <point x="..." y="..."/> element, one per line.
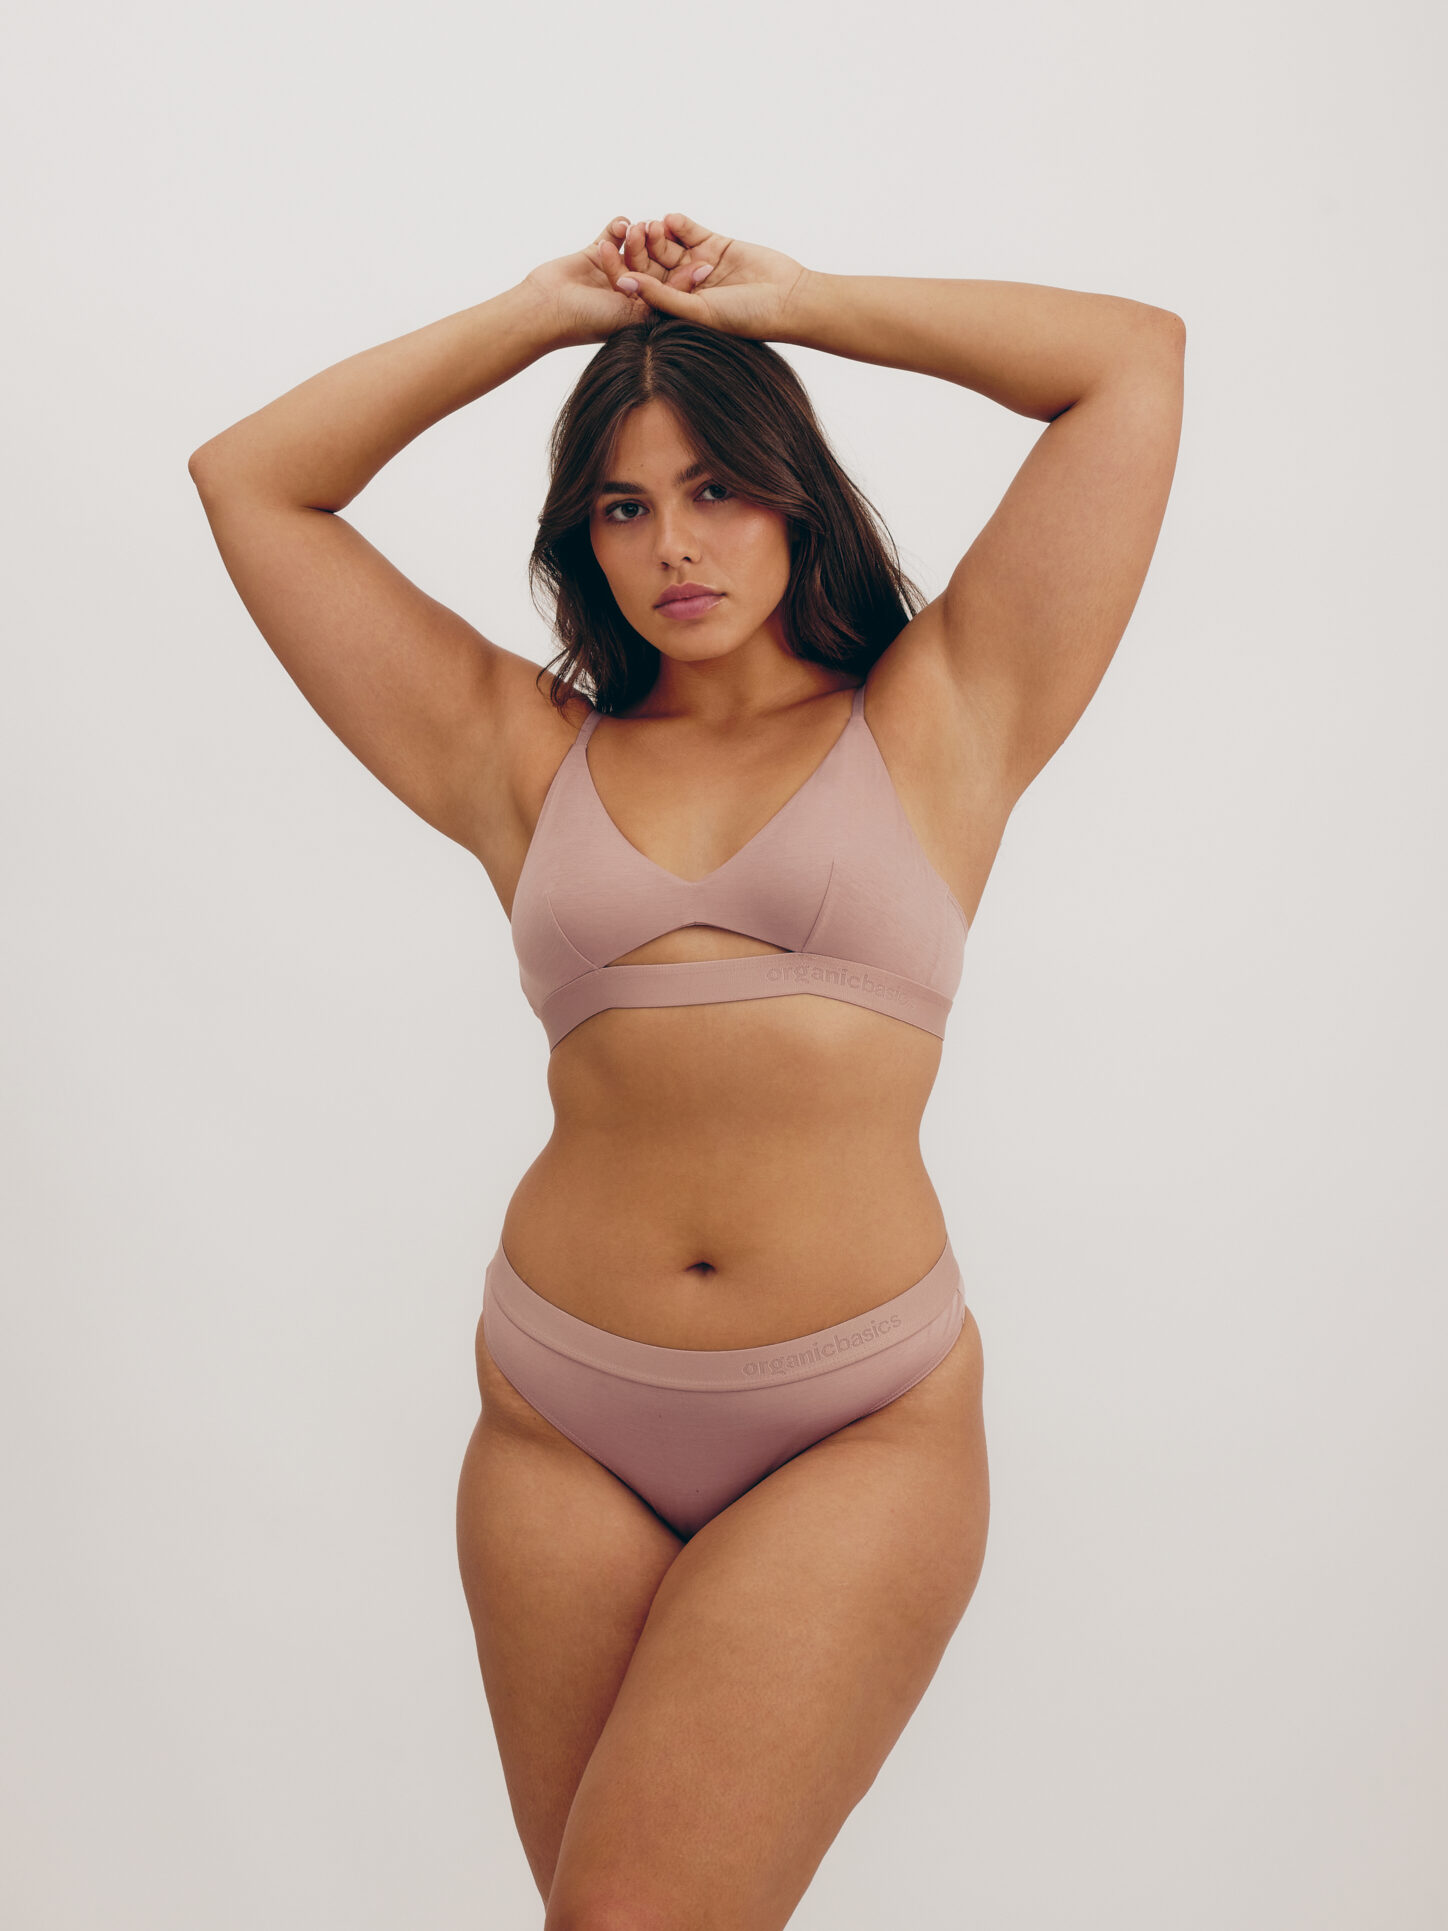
<point x="651" y="435"/>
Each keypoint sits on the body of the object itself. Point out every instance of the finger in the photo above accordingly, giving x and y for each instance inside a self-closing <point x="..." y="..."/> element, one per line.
<point x="636" y="249"/>
<point x="694" y="234"/>
<point x="605" y="251"/>
<point x="661" y="294"/>
<point x="678" y="267"/>
<point x="612" y="234"/>
<point x="662" y="246"/>
<point x="638" y="254"/>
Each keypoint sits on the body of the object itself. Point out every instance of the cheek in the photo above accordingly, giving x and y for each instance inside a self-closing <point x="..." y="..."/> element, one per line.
<point x="764" y="536"/>
<point x="613" y="556"/>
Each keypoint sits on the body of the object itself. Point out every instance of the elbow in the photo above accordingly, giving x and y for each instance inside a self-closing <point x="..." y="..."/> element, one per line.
<point x="1163" y="338"/>
<point x="206" y="460"/>
<point x="1152" y="324"/>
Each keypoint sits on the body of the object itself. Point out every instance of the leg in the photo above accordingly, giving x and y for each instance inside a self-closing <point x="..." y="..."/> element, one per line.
<point x="560" y="1561"/>
<point x="784" y="1652"/>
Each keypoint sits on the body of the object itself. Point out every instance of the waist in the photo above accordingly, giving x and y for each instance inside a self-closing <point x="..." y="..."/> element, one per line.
<point x="733" y="1250"/>
<point x="786" y="1355"/>
<point x="714" y="1169"/>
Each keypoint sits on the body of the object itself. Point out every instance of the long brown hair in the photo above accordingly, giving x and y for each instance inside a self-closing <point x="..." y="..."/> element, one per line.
<point x="749" y="418"/>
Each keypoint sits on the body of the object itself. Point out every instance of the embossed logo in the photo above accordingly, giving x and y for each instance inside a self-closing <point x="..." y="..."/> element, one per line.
<point x="838" y="976"/>
<point x="843" y="1341"/>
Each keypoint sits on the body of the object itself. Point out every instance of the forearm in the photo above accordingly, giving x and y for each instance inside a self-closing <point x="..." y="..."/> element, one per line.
<point x="319" y="444"/>
<point x="1035" y="349"/>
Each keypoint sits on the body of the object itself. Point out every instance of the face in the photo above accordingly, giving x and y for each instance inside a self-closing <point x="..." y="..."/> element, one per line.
<point x="668" y="528"/>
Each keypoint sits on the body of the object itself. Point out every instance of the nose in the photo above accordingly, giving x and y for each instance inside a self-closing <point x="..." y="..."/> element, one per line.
<point x="677" y="542"/>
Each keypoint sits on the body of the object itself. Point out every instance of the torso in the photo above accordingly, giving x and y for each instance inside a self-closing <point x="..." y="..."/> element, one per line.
<point x="725" y="1176"/>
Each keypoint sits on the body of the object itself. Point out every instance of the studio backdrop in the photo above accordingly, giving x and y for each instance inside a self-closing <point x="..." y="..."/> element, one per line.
<point x="269" y="1077"/>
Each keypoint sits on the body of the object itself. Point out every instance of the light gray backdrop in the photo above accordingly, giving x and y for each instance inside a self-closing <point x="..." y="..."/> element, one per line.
<point x="269" y="1078"/>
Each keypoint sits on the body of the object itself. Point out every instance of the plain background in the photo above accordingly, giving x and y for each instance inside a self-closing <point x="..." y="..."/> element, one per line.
<point x="269" y="1078"/>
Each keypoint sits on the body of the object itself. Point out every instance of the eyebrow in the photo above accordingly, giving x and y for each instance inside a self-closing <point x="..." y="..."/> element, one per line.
<point x="616" y="488"/>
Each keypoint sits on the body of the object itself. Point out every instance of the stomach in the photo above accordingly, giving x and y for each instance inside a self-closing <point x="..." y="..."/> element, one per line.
<point x="732" y="1175"/>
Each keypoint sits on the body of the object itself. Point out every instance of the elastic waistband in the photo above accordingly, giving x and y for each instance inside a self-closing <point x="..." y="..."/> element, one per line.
<point x="863" y="1335"/>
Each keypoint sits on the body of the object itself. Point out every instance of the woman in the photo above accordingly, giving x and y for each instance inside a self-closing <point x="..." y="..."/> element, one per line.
<point x="727" y="1497"/>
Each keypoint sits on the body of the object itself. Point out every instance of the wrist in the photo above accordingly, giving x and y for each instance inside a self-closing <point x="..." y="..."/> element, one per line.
<point x="805" y="305"/>
<point x="532" y="316"/>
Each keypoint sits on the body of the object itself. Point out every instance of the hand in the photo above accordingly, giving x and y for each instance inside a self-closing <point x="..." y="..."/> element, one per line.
<point x="576" y="292"/>
<point x="749" y="290"/>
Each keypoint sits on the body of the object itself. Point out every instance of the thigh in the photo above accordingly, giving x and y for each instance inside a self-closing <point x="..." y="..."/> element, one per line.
<point x="783" y="1654"/>
<point x="560" y="1561"/>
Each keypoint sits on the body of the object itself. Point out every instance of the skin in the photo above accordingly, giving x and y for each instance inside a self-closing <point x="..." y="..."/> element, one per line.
<point x="677" y="1130"/>
<point x="636" y="1778"/>
<point x="685" y="1725"/>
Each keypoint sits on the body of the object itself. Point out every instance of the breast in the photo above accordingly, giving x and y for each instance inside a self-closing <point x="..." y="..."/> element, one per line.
<point x="885" y="903"/>
<point x="608" y="908"/>
<point x="843" y="875"/>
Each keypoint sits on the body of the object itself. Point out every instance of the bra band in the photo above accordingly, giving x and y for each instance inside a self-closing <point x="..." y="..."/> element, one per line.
<point x="770" y="975"/>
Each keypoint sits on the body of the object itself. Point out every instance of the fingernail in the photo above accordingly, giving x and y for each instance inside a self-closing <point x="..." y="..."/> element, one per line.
<point x="627" y="284"/>
<point x="706" y="268"/>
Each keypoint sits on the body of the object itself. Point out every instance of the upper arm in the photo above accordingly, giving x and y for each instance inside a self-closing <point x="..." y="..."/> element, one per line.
<point x="1034" y="611"/>
<point x="430" y="706"/>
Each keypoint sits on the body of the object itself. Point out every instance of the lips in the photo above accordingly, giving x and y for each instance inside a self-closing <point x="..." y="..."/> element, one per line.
<point x="678" y="592"/>
<point x="689" y="600"/>
<point x="691" y="606"/>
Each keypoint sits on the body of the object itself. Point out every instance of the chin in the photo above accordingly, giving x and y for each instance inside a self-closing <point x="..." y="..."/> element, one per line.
<point x="697" y="650"/>
<point x="707" y="633"/>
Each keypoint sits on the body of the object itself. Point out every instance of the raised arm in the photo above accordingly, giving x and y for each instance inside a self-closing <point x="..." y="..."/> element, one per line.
<point x="456" y="726"/>
<point x="1034" y="610"/>
<point x="412" y="689"/>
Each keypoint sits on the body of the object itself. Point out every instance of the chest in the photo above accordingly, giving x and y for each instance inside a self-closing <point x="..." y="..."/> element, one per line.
<point x="836" y="870"/>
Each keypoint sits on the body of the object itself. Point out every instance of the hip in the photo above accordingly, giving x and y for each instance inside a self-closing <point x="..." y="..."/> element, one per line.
<point x="691" y="1429"/>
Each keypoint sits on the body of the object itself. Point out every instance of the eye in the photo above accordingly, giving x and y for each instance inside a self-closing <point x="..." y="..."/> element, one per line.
<point x="630" y="504"/>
